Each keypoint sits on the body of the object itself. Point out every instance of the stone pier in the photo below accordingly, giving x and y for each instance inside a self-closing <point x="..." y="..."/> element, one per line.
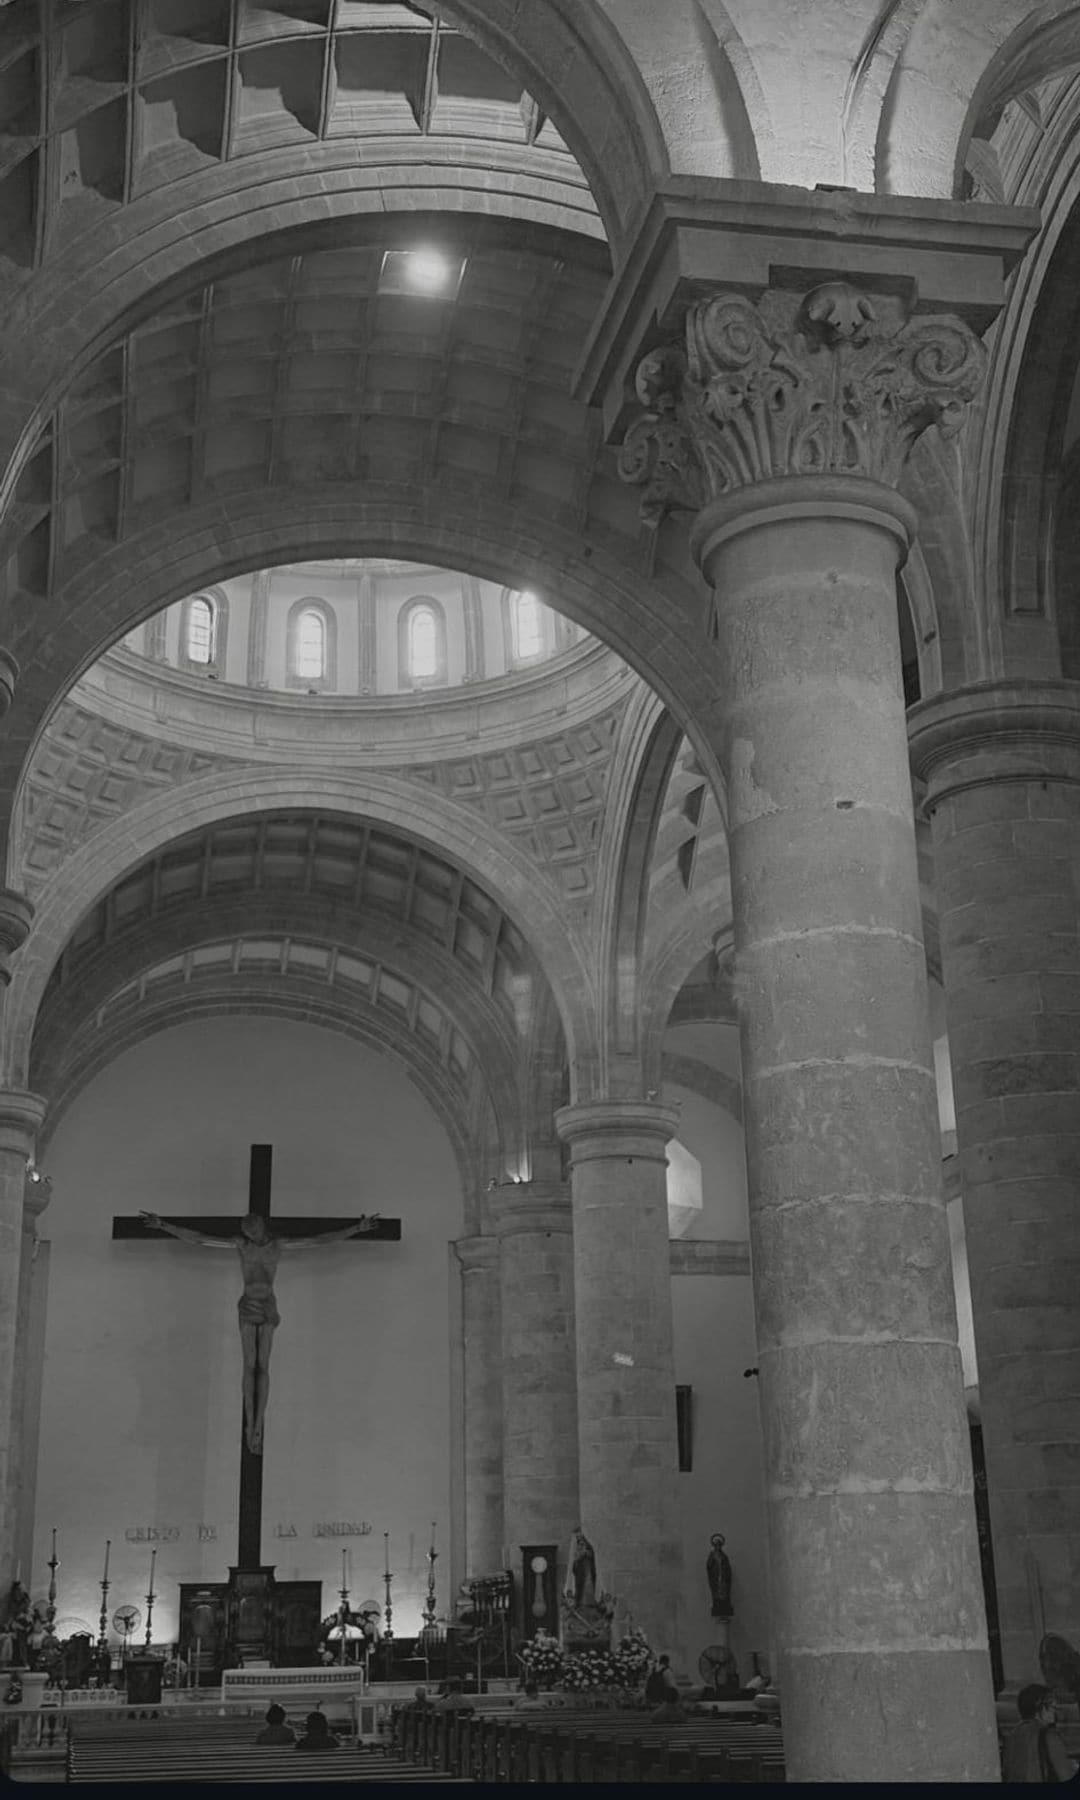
<point x="1002" y="767"/>
<point x="539" y="1377"/>
<point x="625" y="1359"/>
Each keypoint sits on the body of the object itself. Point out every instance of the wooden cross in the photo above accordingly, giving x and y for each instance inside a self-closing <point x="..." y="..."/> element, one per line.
<point x="227" y="1230"/>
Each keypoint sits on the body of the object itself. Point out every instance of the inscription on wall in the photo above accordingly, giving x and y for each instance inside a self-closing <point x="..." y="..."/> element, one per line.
<point x="207" y="1534"/>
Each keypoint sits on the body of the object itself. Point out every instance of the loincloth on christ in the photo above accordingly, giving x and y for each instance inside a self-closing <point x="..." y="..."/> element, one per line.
<point x="255" y="1309"/>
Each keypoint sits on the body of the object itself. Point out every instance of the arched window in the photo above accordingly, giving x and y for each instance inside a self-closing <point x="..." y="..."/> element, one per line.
<point x="528" y="626"/>
<point x="421" y="644"/>
<point x="311" y="646"/>
<point x="203" y="620"/>
<point x="199" y="631"/>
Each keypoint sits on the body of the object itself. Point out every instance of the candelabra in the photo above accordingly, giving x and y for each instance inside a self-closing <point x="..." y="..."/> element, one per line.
<point x="429" y="1603"/>
<point x="150" y="1598"/>
<point x="388" y="1611"/>
<point x="343" y="1610"/>
<point x="54" y="1564"/>
<point x="103" y="1622"/>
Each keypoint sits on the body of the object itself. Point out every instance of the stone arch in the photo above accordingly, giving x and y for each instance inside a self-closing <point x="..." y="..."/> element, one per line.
<point x="1034" y="362"/>
<point x="74" y="1009"/>
<point x="454" y="830"/>
<point x="1044" y="43"/>
<point x="651" y="739"/>
<point x="654" y="622"/>
<point x="924" y="123"/>
<point x="271" y="1002"/>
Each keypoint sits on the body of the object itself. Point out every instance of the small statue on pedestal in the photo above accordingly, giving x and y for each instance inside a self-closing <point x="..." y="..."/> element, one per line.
<point x="718" y="1569"/>
<point x="586" y="1612"/>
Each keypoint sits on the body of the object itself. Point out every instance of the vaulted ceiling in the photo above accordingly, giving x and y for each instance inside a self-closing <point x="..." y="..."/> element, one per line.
<point x="314" y="916"/>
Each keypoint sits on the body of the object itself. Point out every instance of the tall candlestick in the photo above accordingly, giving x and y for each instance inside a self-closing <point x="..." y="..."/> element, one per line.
<point x="150" y="1596"/>
<point x="388" y="1630"/>
<point x="54" y="1564"/>
<point x="429" y="1603"/>
<point x="103" y="1622"/>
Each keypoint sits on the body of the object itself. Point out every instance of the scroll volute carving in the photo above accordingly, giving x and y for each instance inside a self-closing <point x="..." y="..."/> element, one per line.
<point x="829" y="383"/>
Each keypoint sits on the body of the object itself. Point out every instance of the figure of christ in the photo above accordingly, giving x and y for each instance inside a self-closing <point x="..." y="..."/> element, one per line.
<point x="259" y="1252"/>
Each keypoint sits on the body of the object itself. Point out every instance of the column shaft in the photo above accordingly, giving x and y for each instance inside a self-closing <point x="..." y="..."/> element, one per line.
<point x="879" y="1618"/>
<point x="625" y="1360"/>
<point x="539" y="1374"/>
<point x="24" y="1403"/>
<point x="21" y="1115"/>
<point x="1003" y="768"/>
<point x="482" y="1347"/>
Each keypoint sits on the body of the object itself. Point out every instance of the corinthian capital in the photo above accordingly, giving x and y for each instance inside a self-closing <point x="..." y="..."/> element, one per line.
<point x="827" y="384"/>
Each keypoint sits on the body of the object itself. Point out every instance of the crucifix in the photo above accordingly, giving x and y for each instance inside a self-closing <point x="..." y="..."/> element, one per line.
<point x="259" y="1249"/>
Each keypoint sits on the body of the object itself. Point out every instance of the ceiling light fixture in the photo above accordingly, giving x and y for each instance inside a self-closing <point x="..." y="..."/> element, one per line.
<point x="425" y="270"/>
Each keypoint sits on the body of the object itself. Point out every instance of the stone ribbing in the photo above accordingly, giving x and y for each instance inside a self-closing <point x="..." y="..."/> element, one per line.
<point x="625" y="1361"/>
<point x="482" y="1384"/>
<point x="539" y="1373"/>
<point x="25" y="1404"/>
<point x="1002" y="764"/>
<point x="21" y="1115"/>
<point x="878" y="1610"/>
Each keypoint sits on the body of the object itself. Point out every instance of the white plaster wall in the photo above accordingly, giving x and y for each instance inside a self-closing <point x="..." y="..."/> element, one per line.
<point x="714" y="1343"/>
<point x="141" y="1400"/>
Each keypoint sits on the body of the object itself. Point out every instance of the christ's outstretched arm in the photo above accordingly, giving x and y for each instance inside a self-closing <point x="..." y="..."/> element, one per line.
<point x="368" y="1223"/>
<point x="186" y="1234"/>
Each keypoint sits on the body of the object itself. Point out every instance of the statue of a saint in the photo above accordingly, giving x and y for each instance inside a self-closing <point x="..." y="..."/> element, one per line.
<point x="718" y="1569"/>
<point x="581" y="1571"/>
<point x="258" y="1251"/>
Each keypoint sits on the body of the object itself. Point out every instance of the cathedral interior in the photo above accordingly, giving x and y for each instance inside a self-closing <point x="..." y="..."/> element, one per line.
<point x="540" y="674"/>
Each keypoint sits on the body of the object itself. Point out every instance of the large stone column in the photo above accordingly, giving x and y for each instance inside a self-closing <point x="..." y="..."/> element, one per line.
<point x="539" y="1377"/>
<point x="482" y="1348"/>
<point x="1002" y="766"/>
<point x="785" y="425"/>
<point x="628" y="1454"/>
<point x="25" y="1404"/>
<point x="21" y="1115"/>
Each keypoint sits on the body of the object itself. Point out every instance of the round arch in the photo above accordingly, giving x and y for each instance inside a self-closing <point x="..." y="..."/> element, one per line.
<point x="402" y="952"/>
<point x="451" y="829"/>
<point x="655" y="622"/>
<point x="265" y="1001"/>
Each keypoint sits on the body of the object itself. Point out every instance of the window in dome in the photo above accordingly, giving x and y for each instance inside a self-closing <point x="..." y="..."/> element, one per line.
<point x="528" y="625"/>
<point x="199" y="631"/>
<point x="311" y="646"/>
<point x="422" y="644"/>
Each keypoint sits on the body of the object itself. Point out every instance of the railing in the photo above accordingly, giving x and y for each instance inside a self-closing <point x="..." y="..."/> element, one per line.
<point x="38" y="1736"/>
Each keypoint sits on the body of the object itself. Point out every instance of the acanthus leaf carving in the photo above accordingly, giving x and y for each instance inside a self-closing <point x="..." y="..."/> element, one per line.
<point x="789" y="387"/>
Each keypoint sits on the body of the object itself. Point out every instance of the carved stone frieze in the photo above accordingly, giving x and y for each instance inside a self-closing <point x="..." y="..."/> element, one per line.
<point x="832" y="382"/>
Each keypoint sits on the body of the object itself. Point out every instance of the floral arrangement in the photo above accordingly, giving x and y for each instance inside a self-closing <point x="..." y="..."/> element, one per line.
<point x="586" y="1671"/>
<point x="542" y="1661"/>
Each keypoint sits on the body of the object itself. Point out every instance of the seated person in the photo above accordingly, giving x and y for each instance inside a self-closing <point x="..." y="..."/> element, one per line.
<point x="317" y="1734"/>
<point x="660" y="1683"/>
<point x="277" y="1730"/>
<point x="454" y="1700"/>
<point x="531" y="1700"/>
<point x="670" y="1711"/>
<point x="421" y="1703"/>
<point x="1035" y="1749"/>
